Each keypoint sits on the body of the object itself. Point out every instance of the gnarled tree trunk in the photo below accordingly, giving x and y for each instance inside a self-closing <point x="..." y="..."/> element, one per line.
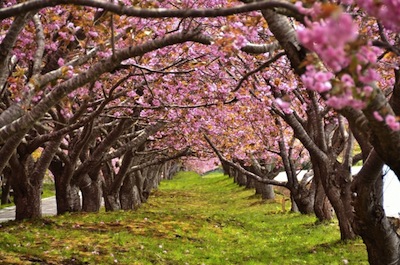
<point x="267" y="191"/>
<point x="334" y="185"/>
<point x="27" y="193"/>
<point x="67" y="193"/>
<point x="91" y="194"/>
<point x="370" y="222"/>
<point x="130" y="197"/>
<point x="6" y="186"/>
<point x="322" y="207"/>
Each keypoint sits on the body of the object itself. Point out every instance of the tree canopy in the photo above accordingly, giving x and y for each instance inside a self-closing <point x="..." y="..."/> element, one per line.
<point x="104" y="94"/>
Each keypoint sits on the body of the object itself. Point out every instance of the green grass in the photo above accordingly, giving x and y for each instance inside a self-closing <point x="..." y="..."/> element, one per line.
<point x="49" y="190"/>
<point x="189" y="220"/>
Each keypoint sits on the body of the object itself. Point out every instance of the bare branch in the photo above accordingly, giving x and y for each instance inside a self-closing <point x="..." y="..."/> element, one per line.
<point x="141" y="67"/>
<point x="258" y="69"/>
<point x="242" y="170"/>
<point x="147" y="13"/>
<point x="160" y="160"/>
<point x="8" y="43"/>
<point x="261" y="48"/>
<point x="37" y="61"/>
<point x="135" y="143"/>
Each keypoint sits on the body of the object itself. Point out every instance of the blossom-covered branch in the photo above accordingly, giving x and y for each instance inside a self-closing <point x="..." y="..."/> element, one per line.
<point x="146" y="13"/>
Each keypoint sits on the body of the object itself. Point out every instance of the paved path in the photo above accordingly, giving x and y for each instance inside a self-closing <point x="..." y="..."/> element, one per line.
<point x="48" y="208"/>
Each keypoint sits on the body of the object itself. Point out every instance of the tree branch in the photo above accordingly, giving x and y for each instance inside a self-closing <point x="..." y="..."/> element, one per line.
<point x="261" y="48"/>
<point x="241" y="169"/>
<point x="258" y="69"/>
<point x="147" y="13"/>
<point x="103" y="66"/>
<point x="160" y="160"/>
<point x="37" y="61"/>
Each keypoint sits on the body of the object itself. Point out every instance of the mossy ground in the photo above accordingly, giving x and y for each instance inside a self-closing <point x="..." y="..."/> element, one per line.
<point x="191" y="219"/>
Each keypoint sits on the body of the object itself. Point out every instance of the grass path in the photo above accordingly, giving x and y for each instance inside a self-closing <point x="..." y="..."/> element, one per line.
<point x="189" y="220"/>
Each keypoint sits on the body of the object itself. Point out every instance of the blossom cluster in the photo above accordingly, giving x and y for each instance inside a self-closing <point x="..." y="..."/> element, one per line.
<point x="351" y="63"/>
<point x="317" y="80"/>
<point x="387" y="11"/>
<point x="390" y="121"/>
<point x="328" y="39"/>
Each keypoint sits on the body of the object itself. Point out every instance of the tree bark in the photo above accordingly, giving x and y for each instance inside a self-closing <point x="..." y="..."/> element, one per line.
<point x="321" y="210"/>
<point x="129" y="194"/>
<point x="67" y="193"/>
<point x="303" y="198"/>
<point x="27" y="193"/>
<point x="267" y="191"/>
<point x="241" y="179"/>
<point x="370" y="222"/>
<point x="250" y="183"/>
<point x="28" y="203"/>
<point x="91" y="194"/>
<point x="334" y="185"/>
<point x="67" y="197"/>
<point x="27" y="178"/>
<point x="6" y="186"/>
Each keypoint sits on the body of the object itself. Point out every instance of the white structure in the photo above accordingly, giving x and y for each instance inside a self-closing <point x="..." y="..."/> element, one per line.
<point x="391" y="193"/>
<point x="391" y="189"/>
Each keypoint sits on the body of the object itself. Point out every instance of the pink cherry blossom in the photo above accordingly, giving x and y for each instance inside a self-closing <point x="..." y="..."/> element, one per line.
<point x="317" y="80"/>
<point x="328" y="38"/>
<point x="61" y="62"/>
<point x="392" y="122"/>
<point x="377" y="116"/>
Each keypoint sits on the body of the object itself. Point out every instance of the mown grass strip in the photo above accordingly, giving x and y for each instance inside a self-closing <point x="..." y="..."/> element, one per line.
<point x="191" y="219"/>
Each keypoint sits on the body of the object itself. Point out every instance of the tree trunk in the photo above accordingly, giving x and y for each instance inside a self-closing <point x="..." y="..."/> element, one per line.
<point x="111" y="202"/>
<point x="67" y="197"/>
<point x="250" y="183"/>
<point x="322" y="207"/>
<point x="6" y="186"/>
<point x="226" y="169"/>
<point x="334" y="184"/>
<point x="67" y="194"/>
<point x="28" y="203"/>
<point x="5" y="193"/>
<point x="167" y="170"/>
<point x="235" y="174"/>
<point x="27" y="192"/>
<point x="157" y="177"/>
<point x="142" y="184"/>
<point x="303" y="198"/>
<point x="129" y="193"/>
<point x="113" y="183"/>
<point x="267" y="191"/>
<point x="91" y="197"/>
<point x="91" y="194"/>
<point x="294" y="208"/>
<point x="370" y="221"/>
<point x="241" y="179"/>
<point x="173" y="169"/>
<point x="340" y="206"/>
<point x="111" y="199"/>
<point x="153" y="177"/>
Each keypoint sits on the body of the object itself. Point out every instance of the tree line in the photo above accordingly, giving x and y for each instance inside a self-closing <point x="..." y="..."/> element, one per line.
<point x="103" y="95"/>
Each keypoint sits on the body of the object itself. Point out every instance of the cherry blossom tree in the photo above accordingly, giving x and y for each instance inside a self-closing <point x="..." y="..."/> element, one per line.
<point x="100" y="78"/>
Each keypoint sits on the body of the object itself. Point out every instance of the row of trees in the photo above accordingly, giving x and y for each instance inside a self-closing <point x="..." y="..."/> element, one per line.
<point x="88" y="129"/>
<point x="107" y="93"/>
<point x="354" y="77"/>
